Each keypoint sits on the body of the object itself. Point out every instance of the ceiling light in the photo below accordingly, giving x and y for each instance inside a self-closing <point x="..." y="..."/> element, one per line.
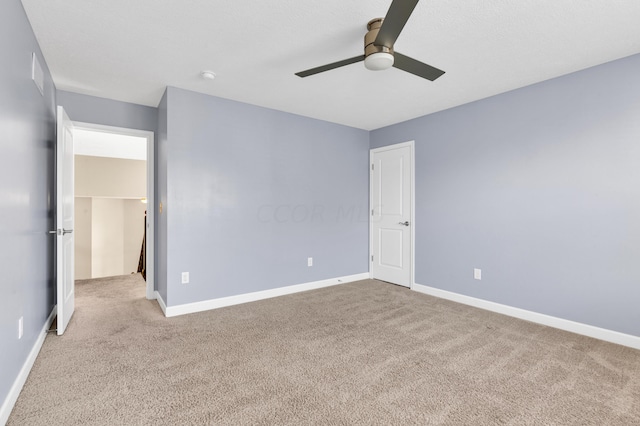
<point x="208" y="75"/>
<point x="379" y="61"/>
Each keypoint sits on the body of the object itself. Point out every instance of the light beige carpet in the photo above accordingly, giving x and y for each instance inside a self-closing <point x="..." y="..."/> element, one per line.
<point x="358" y="353"/>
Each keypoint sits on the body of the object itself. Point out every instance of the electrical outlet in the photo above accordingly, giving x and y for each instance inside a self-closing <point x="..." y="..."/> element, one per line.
<point x="477" y="274"/>
<point x="310" y="261"/>
<point x="20" y="327"/>
<point x="185" y="278"/>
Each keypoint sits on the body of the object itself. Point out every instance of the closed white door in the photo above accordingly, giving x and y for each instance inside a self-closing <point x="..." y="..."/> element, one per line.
<point x="391" y="213"/>
<point x="64" y="221"/>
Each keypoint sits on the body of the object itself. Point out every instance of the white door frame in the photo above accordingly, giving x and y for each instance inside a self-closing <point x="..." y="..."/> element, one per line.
<point x="151" y="223"/>
<point x="412" y="230"/>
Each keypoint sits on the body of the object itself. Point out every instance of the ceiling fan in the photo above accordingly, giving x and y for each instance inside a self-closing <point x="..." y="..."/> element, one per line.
<point x="378" y="46"/>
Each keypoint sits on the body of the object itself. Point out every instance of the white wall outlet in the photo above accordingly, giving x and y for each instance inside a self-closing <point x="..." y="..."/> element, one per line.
<point x="309" y="261"/>
<point x="477" y="274"/>
<point x="185" y="278"/>
<point x="20" y="327"/>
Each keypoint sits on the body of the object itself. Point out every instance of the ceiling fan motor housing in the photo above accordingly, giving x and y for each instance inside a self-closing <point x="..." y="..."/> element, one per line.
<point x="369" y="48"/>
<point x="376" y="57"/>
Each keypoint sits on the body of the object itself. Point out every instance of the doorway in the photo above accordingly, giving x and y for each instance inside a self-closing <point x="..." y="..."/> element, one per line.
<point x="392" y="227"/>
<point x="116" y="211"/>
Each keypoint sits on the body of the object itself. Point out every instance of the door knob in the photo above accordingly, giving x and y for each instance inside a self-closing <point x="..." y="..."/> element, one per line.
<point x="66" y="231"/>
<point x="405" y="223"/>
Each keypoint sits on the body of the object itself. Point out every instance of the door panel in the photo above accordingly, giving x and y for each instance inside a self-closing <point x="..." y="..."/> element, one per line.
<point x="391" y="204"/>
<point x="64" y="221"/>
<point x="391" y="183"/>
<point x="391" y="248"/>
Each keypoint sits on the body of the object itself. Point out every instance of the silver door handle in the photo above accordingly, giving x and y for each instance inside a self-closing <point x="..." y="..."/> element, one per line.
<point x="405" y="223"/>
<point x="61" y="231"/>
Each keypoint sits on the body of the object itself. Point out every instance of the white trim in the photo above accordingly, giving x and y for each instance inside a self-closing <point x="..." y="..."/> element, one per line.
<point x="555" y="322"/>
<point x="150" y="257"/>
<point x="93" y="127"/>
<point x="160" y="300"/>
<point x="413" y="214"/>
<point x="205" y="305"/>
<point x="14" y="392"/>
<point x="412" y="210"/>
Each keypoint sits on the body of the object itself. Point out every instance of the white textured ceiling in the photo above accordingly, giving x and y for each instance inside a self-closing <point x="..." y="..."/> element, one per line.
<point x="130" y="50"/>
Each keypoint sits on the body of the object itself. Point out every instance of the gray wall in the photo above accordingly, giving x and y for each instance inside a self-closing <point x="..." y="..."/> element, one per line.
<point x="27" y="131"/>
<point x="539" y="187"/>
<point x="252" y="192"/>
<point x="90" y="109"/>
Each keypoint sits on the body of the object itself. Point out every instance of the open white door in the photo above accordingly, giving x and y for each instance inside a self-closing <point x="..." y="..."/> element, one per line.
<point x="64" y="221"/>
<point x="392" y="213"/>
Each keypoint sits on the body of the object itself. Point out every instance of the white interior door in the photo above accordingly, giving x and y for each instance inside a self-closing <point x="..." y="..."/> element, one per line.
<point x="64" y="221"/>
<point x="392" y="213"/>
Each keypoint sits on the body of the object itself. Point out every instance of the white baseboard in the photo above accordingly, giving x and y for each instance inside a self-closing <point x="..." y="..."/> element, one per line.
<point x="563" y="324"/>
<point x="14" y="392"/>
<point x="163" y="305"/>
<point x="205" y="305"/>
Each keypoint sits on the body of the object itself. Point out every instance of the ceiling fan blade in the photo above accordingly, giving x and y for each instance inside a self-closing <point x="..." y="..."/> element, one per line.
<point x="418" y="68"/>
<point x="331" y="66"/>
<point x="397" y="16"/>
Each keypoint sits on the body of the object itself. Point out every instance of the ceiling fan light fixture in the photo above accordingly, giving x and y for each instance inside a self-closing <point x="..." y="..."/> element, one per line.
<point x="378" y="61"/>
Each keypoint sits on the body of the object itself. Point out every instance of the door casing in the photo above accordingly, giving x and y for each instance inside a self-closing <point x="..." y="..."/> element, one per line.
<point x="150" y="255"/>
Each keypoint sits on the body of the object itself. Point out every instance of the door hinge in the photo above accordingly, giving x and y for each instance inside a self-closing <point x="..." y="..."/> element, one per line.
<point x="372" y="258"/>
<point x="372" y="167"/>
<point x="371" y="212"/>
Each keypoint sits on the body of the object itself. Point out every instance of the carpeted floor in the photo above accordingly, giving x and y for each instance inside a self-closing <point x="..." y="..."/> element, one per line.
<point x="358" y="353"/>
